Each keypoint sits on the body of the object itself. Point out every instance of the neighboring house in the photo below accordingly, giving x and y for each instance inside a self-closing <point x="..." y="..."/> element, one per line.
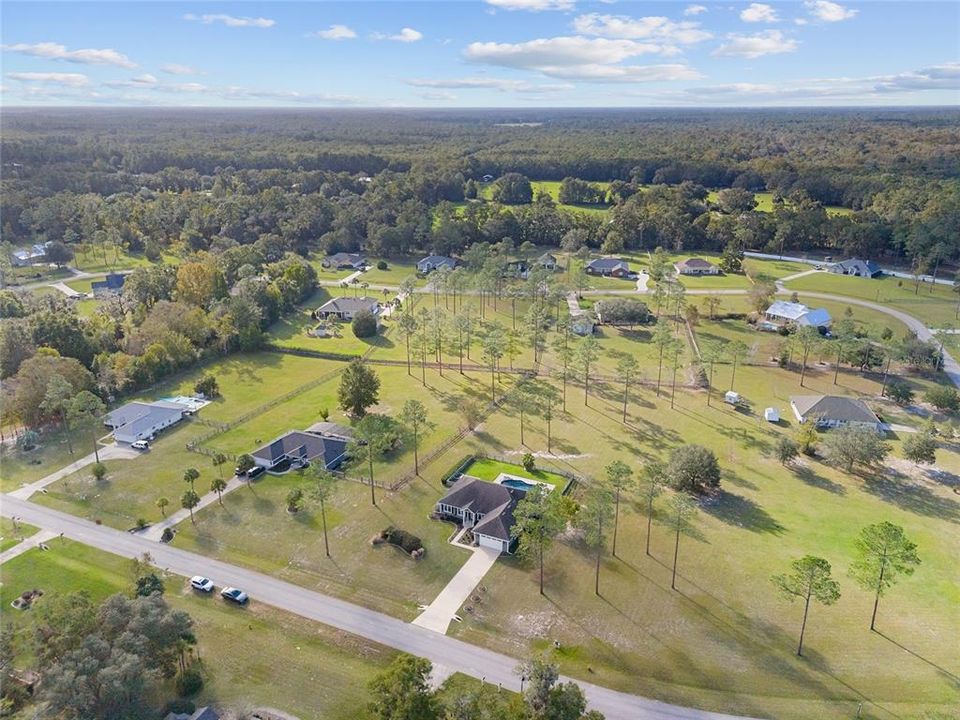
<point x="487" y="178"/>
<point x="345" y="261"/>
<point x="790" y="313"/>
<point x="435" y="262"/>
<point x="696" y="266"/>
<point x="112" y="284"/>
<point x="24" y="256"/>
<point x="547" y="262"/>
<point x="485" y="508"/>
<point x="516" y="268"/>
<point x="829" y="411"/>
<point x="331" y="429"/>
<point x="141" y="421"/>
<point x="301" y="447"/>
<point x="857" y="268"/>
<point x="612" y="267"/>
<point x="346" y="308"/>
<point x="204" y="713"/>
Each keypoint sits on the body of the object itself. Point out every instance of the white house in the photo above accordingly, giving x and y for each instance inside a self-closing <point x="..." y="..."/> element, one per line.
<point x="790" y="313"/>
<point x="435" y="262"/>
<point x="696" y="266"/>
<point x="141" y="421"/>
<point x="830" y="411"/>
<point x="345" y="308"/>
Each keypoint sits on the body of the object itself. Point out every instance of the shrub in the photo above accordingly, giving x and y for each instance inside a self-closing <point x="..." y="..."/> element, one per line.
<point x="364" y="324"/>
<point x="28" y="440"/>
<point x="180" y="706"/>
<point x="920" y="448"/>
<point x="294" y="500"/>
<point x="166" y="536"/>
<point x="943" y="398"/>
<point x="207" y="386"/>
<point x="454" y="472"/>
<point x="402" y="539"/>
<point x="900" y="392"/>
<point x="190" y="682"/>
<point x="149" y="585"/>
<point x="141" y="523"/>
<point x="99" y="471"/>
<point x="529" y="463"/>
<point x="787" y="450"/>
<point x="693" y="469"/>
<point x="381" y="264"/>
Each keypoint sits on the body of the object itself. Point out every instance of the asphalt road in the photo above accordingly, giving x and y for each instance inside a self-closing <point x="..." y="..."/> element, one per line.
<point x="439" y="649"/>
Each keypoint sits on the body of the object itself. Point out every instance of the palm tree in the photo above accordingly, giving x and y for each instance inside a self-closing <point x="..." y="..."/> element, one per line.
<point x="162" y="503"/>
<point x="218" y="485"/>
<point x="190" y="475"/>
<point x="189" y="500"/>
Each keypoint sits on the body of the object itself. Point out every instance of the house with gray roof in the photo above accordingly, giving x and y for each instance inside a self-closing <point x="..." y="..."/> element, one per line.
<point x="831" y="411"/>
<point x="299" y="448"/>
<point x="857" y="268"/>
<point x="142" y="421"/>
<point x="696" y="266"/>
<point x="346" y="308"/>
<point x="486" y="508"/>
<point x="24" y="256"/>
<point x="608" y="267"/>
<point x="782" y="313"/>
<point x="435" y="262"/>
<point x="112" y="284"/>
<point x="547" y="261"/>
<point x="344" y="261"/>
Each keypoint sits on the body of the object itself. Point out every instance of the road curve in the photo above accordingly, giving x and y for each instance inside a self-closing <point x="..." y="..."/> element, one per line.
<point x="439" y="649"/>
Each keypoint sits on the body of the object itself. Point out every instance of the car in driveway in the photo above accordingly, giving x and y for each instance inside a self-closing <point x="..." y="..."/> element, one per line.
<point x="198" y="582"/>
<point x="140" y="445"/>
<point x="234" y="595"/>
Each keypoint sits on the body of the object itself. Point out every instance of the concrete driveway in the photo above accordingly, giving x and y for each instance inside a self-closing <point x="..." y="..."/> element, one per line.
<point x="440" y="612"/>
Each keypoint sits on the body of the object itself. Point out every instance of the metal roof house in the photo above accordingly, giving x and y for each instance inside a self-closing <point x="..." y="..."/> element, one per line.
<point x="342" y="260"/>
<point x="696" y="266"/>
<point x="141" y="421"/>
<point x="782" y="312"/>
<point x="613" y="267"/>
<point x="857" y="268"/>
<point x="485" y="508"/>
<point x="346" y="308"/>
<point x="829" y="411"/>
<point x="21" y="257"/>
<point x="301" y="447"/>
<point x="435" y="262"/>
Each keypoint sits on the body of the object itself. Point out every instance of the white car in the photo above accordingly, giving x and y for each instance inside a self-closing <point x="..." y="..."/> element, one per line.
<point x="140" y="445"/>
<point x="198" y="582"/>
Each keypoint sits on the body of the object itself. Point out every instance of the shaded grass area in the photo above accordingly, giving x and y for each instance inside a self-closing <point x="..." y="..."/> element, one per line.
<point x="18" y="467"/>
<point x="251" y="656"/>
<point x="11" y="536"/>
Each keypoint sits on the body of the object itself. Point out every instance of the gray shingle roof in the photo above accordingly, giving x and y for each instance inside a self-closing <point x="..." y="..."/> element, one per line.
<point x="349" y="305"/>
<point x="492" y="500"/>
<point x="834" y="407"/>
<point x="303" y="445"/>
<point x="866" y="268"/>
<point x="695" y="263"/>
<point x="607" y="264"/>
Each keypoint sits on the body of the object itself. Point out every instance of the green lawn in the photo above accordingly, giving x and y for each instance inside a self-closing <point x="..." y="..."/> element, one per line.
<point x="11" y="536"/>
<point x="770" y="270"/>
<point x="551" y="187"/>
<point x="93" y="261"/>
<point x="765" y="203"/>
<point x="937" y="308"/>
<point x="81" y="286"/>
<point x="398" y="270"/>
<point x="53" y="453"/>
<point x="489" y="469"/>
<point x="254" y="656"/>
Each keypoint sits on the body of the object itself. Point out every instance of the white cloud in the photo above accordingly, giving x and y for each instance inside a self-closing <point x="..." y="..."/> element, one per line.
<point x="827" y="11"/>
<point x="437" y="95"/>
<point x="936" y="77"/>
<point x="488" y="83"/>
<point x="759" y="12"/>
<point x="175" y="69"/>
<point x="231" y="20"/>
<point x="532" y="5"/>
<point x="406" y="35"/>
<point x="72" y="80"/>
<point x="694" y="10"/>
<point x="768" y="42"/>
<point x="87" y="56"/>
<point x="646" y="28"/>
<point x="336" y="32"/>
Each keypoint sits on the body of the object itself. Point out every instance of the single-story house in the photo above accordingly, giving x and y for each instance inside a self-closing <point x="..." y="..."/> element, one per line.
<point x="344" y="261"/>
<point x="21" y="257"/>
<point x="787" y="313"/>
<point x="345" y="308"/>
<point x="485" y="508"/>
<point x="696" y="266"/>
<point x="547" y="261"/>
<point x="301" y="447"/>
<point x="612" y="267"/>
<point x="857" y="268"/>
<point x="112" y="284"/>
<point x="435" y="262"/>
<point x="331" y="429"/>
<point x="203" y="713"/>
<point x="141" y="421"/>
<point x="829" y="411"/>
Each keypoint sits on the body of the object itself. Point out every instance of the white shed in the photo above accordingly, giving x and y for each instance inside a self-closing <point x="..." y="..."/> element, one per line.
<point x="732" y="397"/>
<point x="771" y="415"/>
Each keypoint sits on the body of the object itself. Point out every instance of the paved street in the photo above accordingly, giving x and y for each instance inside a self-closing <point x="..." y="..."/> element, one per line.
<point x="439" y="649"/>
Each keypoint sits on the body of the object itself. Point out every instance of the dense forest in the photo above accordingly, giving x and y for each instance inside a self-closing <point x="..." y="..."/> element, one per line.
<point x="337" y="180"/>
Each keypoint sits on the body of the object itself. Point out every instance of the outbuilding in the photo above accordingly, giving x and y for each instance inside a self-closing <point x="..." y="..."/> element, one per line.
<point x="142" y="421"/>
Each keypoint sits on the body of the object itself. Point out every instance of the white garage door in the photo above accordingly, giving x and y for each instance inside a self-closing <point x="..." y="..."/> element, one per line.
<point x="491" y="542"/>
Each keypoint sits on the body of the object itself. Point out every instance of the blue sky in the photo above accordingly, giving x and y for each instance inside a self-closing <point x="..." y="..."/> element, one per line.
<point x="481" y="53"/>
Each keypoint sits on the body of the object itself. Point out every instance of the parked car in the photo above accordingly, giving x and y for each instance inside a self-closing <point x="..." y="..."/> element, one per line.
<point x="256" y="471"/>
<point x="198" y="582"/>
<point x="234" y="595"/>
<point x="140" y="445"/>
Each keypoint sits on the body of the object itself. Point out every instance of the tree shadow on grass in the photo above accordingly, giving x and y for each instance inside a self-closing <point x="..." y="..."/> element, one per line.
<point x="950" y="677"/>
<point x="814" y="479"/>
<point x="743" y="512"/>
<point x="912" y="497"/>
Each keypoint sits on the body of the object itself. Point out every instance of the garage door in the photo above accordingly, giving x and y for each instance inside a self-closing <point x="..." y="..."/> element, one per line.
<point x="491" y="542"/>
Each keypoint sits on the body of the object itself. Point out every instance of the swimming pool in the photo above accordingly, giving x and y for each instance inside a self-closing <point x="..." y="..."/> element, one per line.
<point x="517" y="484"/>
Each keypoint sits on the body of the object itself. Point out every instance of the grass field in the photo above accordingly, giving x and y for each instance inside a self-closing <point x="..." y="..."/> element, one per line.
<point x="552" y="188"/>
<point x="398" y="270"/>
<point x="937" y="308"/>
<point x="17" y="468"/>
<point x="765" y="203"/>
<point x="770" y="270"/>
<point x="489" y="469"/>
<point x="93" y="261"/>
<point x="81" y="286"/>
<point x="256" y="656"/>
<point x="11" y="536"/>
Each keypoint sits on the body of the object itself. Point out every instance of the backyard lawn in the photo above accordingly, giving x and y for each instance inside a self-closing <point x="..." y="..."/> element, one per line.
<point x="255" y="656"/>
<point x="489" y="469"/>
